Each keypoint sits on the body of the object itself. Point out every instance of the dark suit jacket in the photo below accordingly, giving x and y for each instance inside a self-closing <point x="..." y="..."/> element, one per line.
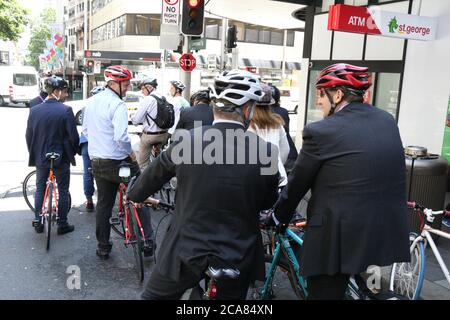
<point x="217" y="207"/>
<point x="201" y="112"/>
<point x="353" y="161"/>
<point x="38" y="100"/>
<point x="51" y="128"/>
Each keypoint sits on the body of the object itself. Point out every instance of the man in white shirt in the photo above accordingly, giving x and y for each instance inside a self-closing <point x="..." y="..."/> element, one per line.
<point x="148" y="110"/>
<point x="105" y="124"/>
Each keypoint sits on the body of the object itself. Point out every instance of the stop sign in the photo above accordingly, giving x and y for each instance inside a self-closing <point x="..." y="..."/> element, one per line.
<point x="188" y="62"/>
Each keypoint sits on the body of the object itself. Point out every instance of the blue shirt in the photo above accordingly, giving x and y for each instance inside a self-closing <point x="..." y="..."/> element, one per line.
<point x="105" y="124"/>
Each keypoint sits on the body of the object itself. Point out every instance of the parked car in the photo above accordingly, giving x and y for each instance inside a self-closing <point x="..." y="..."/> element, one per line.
<point x="18" y="85"/>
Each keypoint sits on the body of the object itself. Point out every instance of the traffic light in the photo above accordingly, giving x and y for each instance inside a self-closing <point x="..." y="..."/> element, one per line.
<point x="193" y="17"/>
<point x="90" y="67"/>
<point x="231" y="37"/>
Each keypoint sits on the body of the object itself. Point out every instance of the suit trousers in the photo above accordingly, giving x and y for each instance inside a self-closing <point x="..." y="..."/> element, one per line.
<point x="161" y="287"/>
<point x="325" y="287"/>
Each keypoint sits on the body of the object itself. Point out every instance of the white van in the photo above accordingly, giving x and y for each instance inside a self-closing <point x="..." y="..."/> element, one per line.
<point x="18" y="84"/>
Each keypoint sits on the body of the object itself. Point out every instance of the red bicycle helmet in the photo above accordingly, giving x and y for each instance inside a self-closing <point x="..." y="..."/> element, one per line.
<point x="357" y="79"/>
<point x="118" y="74"/>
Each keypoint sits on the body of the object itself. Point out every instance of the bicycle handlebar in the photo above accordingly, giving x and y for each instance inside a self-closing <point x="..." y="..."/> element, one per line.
<point x="152" y="202"/>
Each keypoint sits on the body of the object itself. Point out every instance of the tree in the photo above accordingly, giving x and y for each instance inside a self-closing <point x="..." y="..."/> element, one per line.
<point x="40" y="33"/>
<point x="13" y="19"/>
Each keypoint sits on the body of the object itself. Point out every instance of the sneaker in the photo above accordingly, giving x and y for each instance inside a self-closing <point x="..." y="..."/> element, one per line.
<point x="149" y="250"/>
<point x="102" y="254"/>
<point x="65" y="228"/>
<point x="38" y="227"/>
<point x="446" y="222"/>
<point x="89" y="206"/>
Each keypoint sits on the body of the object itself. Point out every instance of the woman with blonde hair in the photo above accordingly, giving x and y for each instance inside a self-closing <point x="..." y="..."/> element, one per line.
<point x="269" y="126"/>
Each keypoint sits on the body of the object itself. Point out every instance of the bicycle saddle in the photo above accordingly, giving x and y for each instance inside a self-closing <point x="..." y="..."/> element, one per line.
<point x="52" y="155"/>
<point x="222" y="273"/>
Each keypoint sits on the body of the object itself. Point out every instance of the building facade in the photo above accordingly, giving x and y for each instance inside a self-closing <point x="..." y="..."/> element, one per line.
<point x="411" y="77"/>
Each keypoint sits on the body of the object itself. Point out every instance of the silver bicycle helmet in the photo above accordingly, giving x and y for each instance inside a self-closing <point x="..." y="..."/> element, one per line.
<point x="178" y="85"/>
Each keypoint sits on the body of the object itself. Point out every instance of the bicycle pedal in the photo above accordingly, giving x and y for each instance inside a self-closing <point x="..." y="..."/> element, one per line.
<point x="115" y="221"/>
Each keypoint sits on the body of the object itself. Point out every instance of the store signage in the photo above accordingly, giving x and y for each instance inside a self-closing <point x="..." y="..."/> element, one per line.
<point x="374" y="21"/>
<point x="122" y="55"/>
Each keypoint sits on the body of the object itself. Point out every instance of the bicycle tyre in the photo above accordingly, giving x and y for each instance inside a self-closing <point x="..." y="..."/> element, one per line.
<point x="136" y="243"/>
<point x="29" y="189"/>
<point x="48" y="217"/>
<point x="407" y="277"/>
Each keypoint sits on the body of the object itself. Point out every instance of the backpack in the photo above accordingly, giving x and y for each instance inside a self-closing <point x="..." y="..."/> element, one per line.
<point x="165" y="117"/>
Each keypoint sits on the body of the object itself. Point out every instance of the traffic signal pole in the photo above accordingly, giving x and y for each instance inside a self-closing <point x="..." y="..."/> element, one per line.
<point x="85" y="47"/>
<point x="223" y="59"/>
<point x="186" y="76"/>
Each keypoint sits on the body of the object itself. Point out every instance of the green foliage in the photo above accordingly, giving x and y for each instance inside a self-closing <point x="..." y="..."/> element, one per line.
<point x="40" y="33"/>
<point x="13" y="19"/>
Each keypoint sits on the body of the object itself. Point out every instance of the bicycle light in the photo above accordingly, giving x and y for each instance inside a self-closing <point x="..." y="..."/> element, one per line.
<point x="124" y="172"/>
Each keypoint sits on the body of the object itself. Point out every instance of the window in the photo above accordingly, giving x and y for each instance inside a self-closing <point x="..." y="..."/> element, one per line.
<point x="212" y="28"/>
<point x="313" y="113"/>
<point x="251" y="35"/>
<point x="264" y="36"/>
<point x="276" y="38"/>
<point x="290" y="38"/>
<point x="387" y="92"/>
<point x="24" y="79"/>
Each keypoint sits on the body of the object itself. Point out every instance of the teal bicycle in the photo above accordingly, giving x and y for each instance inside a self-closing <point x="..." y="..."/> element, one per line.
<point x="282" y="261"/>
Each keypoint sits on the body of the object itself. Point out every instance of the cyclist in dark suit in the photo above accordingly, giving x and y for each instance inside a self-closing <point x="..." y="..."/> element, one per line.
<point x="353" y="161"/>
<point x="217" y="204"/>
<point x="201" y="112"/>
<point x="52" y="128"/>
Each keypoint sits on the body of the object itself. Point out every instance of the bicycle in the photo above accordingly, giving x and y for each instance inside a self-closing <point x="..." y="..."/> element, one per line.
<point x="284" y="257"/>
<point x="29" y="190"/>
<point x="49" y="212"/>
<point x="407" y="278"/>
<point x="127" y="223"/>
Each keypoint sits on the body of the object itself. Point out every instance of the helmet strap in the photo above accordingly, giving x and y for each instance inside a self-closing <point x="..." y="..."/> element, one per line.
<point x="333" y="105"/>
<point x="248" y="120"/>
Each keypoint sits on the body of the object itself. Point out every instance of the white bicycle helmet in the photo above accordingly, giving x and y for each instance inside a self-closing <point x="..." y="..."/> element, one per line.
<point x="237" y="87"/>
<point x="178" y="85"/>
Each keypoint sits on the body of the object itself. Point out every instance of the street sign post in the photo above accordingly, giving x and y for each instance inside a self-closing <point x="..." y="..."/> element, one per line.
<point x="170" y="19"/>
<point x="188" y="62"/>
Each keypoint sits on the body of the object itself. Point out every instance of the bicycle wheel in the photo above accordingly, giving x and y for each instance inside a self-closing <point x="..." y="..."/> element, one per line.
<point x="278" y="288"/>
<point x="29" y="189"/>
<point x="48" y="215"/>
<point x="407" y="277"/>
<point x="137" y="244"/>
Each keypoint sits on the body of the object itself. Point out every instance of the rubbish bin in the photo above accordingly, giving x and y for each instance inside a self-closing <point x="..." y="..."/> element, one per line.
<point x="426" y="180"/>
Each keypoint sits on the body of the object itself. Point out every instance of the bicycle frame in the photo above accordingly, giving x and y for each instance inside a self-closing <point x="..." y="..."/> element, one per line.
<point x="283" y="245"/>
<point x="425" y="236"/>
<point x="50" y="181"/>
<point x="124" y="209"/>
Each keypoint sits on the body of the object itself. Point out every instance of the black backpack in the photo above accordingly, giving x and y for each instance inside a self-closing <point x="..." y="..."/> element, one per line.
<point x="165" y="117"/>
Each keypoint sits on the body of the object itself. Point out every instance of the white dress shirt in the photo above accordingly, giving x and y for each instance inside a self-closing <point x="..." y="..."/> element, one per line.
<point x="105" y="124"/>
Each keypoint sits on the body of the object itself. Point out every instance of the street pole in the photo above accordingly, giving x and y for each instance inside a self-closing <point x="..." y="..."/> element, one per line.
<point x="186" y="76"/>
<point x="283" y="66"/>
<point x="85" y="47"/>
<point x="223" y="59"/>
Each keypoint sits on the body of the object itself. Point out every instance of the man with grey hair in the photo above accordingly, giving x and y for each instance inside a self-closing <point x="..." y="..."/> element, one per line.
<point x="217" y="209"/>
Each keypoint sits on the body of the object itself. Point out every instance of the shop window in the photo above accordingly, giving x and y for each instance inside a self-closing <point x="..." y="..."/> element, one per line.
<point x="276" y="38"/>
<point x="387" y="92"/>
<point x="264" y="36"/>
<point x="251" y="35"/>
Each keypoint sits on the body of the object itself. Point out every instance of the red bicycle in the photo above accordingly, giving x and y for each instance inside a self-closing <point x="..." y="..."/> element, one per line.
<point x="127" y="224"/>
<point x="49" y="212"/>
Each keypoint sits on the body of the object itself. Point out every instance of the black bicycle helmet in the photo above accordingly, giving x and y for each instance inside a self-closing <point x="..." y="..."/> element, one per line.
<point x="149" y="81"/>
<point x="202" y="95"/>
<point x="53" y="83"/>
<point x="275" y="93"/>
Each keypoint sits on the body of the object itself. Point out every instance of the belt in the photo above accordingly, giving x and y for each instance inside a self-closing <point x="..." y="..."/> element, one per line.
<point x="154" y="133"/>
